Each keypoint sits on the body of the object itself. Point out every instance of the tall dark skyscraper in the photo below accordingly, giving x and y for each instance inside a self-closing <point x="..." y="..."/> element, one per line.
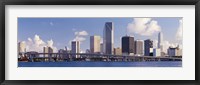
<point x="127" y="45"/>
<point x="108" y="38"/>
<point x="75" y="46"/>
<point x="148" y="47"/>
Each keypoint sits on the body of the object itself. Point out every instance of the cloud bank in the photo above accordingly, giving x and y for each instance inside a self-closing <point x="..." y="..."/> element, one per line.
<point x="143" y="26"/>
<point x="37" y="44"/>
<point x="80" y="36"/>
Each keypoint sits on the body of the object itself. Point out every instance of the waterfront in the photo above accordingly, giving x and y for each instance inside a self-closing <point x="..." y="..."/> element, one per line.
<point x="102" y="64"/>
<point x="106" y="46"/>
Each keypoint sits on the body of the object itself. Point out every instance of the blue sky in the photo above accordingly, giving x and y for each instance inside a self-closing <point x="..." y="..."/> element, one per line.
<point x="62" y="30"/>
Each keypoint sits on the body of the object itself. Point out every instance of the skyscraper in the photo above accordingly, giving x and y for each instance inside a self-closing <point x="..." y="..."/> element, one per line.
<point x="75" y="46"/>
<point x="127" y="45"/>
<point x="101" y="47"/>
<point x="118" y="51"/>
<point x="156" y="52"/>
<point x="108" y="38"/>
<point x="61" y="51"/>
<point x="47" y="49"/>
<point x="174" y="51"/>
<point x="21" y="47"/>
<point x="95" y="44"/>
<point x="139" y="47"/>
<point x="160" y="41"/>
<point x="148" y="47"/>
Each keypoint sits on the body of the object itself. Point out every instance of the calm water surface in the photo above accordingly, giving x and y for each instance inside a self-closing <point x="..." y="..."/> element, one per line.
<point x="102" y="64"/>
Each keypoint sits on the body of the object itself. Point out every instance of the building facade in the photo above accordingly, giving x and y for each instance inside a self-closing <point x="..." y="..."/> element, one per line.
<point x="148" y="46"/>
<point x="174" y="51"/>
<point x="62" y="53"/>
<point x="128" y="45"/>
<point x="21" y="47"/>
<point x="139" y="47"/>
<point x="156" y="52"/>
<point x="75" y="48"/>
<point x="95" y="44"/>
<point x="160" y="41"/>
<point x="101" y="48"/>
<point x="47" y="49"/>
<point x="108" y="38"/>
<point x="118" y="51"/>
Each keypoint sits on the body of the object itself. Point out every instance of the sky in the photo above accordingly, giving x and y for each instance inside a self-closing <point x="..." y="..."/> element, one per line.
<point x="59" y="32"/>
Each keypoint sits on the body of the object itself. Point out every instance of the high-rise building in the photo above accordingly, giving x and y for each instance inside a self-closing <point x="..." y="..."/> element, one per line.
<point x="21" y="47"/>
<point x="160" y="41"/>
<point x="118" y="51"/>
<point x="108" y="38"/>
<point x="139" y="47"/>
<point x="62" y="53"/>
<point x="101" y="47"/>
<point x="95" y="44"/>
<point x="75" y="46"/>
<point x="148" y="45"/>
<point x="156" y="52"/>
<point x="127" y="45"/>
<point x="47" y="49"/>
<point x="174" y="51"/>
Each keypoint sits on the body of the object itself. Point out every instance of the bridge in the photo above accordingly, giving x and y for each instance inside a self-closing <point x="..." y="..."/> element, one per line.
<point x="43" y="57"/>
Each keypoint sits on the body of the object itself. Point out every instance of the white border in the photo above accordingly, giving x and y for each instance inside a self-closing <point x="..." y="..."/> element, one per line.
<point x="187" y="72"/>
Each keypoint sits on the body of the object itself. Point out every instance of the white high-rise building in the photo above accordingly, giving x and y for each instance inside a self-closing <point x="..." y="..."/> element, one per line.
<point x="95" y="44"/>
<point x="108" y="38"/>
<point x="160" y="41"/>
<point x="156" y="52"/>
<point x="21" y="47"/>
<point x="75" y="46"/>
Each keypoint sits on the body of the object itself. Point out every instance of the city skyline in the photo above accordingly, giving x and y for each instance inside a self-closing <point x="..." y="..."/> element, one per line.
<point x="55" y="33"/>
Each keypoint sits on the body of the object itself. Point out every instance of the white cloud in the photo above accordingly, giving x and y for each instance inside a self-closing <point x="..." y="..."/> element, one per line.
<point x="50" y="43"/>
<point x="29" y="39"/>
<point x="143" y="26"/>
<point x="166" y="45"/>
<point x="81" y="33"/>
<point x="38" y="44"/>
<point x="179" y="33"/>
<point x="79" y="38"/>
<point x="38" y="41"/>
<point x="155" y="43"/>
